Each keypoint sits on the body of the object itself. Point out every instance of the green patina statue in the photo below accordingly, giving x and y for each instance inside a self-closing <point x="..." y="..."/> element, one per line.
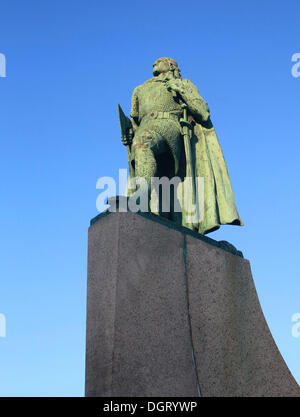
<point x="170" y="135"/>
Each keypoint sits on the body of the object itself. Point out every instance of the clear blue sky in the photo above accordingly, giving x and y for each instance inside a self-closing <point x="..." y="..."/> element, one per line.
<point x="68" y="65"/>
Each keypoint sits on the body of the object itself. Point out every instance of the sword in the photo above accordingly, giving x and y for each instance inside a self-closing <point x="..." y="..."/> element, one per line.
<point x="186" y="129"/>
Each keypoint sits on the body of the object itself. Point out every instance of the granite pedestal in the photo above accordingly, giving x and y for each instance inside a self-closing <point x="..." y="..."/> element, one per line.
<point x="174" y="313"/>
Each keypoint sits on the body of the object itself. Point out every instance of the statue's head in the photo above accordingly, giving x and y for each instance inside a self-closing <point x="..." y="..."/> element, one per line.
<point x="165" y="65"/>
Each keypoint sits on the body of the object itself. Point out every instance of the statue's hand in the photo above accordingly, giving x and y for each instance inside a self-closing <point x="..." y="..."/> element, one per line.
<point x="127" y="140"/>
<point x="174" y="85"/>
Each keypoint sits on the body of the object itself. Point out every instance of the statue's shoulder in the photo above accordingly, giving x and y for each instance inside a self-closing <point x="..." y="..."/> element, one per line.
<point x="147" y="82"/>
<point x="192" y="89"/>
<point x="188" y="83"/>
<point x="151" y="80"/>
<point x="140" y="87"/>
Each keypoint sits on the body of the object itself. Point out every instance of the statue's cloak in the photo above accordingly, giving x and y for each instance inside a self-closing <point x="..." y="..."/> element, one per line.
<point x="215" y="196"/>
<point x="215" y="199"/>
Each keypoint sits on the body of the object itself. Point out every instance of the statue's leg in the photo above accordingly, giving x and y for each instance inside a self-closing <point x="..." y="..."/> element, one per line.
<point x="145" y="162"/>
<point x="169" y="164"/>
<point x="157" y="150"/>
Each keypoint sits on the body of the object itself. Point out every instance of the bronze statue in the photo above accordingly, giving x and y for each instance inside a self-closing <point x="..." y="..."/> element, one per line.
<point x="170" y="134"/>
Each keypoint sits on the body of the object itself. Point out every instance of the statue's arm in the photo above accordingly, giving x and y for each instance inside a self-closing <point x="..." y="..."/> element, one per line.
<point x="196" y="104"/>
<point x="134" y="113"/>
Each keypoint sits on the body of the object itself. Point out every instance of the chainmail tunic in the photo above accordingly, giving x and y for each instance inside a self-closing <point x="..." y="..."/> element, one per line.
<point x="163" y="135"/>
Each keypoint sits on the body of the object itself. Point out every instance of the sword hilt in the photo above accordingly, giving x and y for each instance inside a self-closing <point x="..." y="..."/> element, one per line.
<point x="184" y="121"/>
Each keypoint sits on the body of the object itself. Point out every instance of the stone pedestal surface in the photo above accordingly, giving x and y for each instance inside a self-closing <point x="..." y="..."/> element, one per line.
<point x="170" y="313"/>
